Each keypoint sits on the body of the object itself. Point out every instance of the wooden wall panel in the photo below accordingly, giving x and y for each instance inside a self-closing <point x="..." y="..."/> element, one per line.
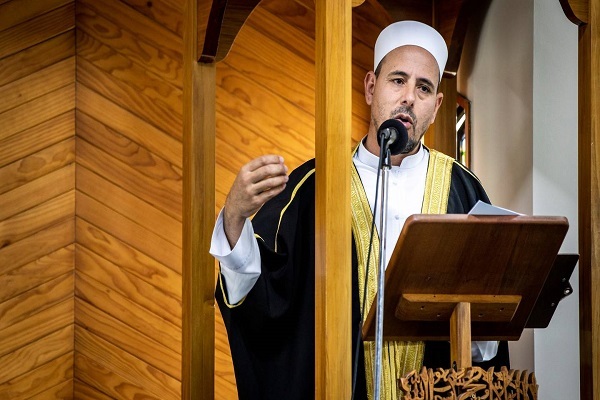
<point x="32" y="59"/>
<point x="111" y="368"/>
<point x="129" y="122"/>
<point x="40" y="383"/>
<point x="37" y="198"/>
<point x="36" y="30"/>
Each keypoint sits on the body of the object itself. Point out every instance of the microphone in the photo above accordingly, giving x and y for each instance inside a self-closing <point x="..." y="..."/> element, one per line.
<point x="393" y="134"/>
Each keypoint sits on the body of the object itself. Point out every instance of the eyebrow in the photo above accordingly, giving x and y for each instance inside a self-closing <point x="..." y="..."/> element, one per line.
<point x="419" y="80"/>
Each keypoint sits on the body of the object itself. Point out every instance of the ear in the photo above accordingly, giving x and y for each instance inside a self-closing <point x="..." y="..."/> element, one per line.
<point x="438" y="102"/>
<point x="370" y="80"/>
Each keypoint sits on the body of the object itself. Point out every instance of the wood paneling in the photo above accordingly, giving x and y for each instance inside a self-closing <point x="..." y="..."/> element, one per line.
<point x="94" y="374"/>
<point x="28" y="276"/>
<point x="164" y="305"/>
<point x="37" y="111"/>
<point x="124" y="95"/>
<point x="133" y="207"/>
<point x="128" y="258"/>
<point x="37" y="198"/>
<point x="128" y="200"/>
<point x="32" y="329"/>
<point x="41" y="189"/>
<point x="36" y="30"/>
<point x="52" y="380"/>
<point x="37" y="165"/>
<point x="37" y="138"/>
<point x="63" y="390"/>
<point x="37" y="57"/>
<point x="153" y="49"/>
<point x="128" y="231"/>
<point x="127" y="338"/>
<point x="104" y="365"/>
<point x="129" y="125"/>
<point x="37" y="84"/>
<point x="16" y="12"/>
<point x="46" y="349"/>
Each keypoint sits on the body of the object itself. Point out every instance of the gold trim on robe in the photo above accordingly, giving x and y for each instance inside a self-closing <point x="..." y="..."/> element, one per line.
<point x="398" y="357"/>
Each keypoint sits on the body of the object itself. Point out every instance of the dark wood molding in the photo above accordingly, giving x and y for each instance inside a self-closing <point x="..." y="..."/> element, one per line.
<point x="577" y="11"/>
<point x="225" y="20"/>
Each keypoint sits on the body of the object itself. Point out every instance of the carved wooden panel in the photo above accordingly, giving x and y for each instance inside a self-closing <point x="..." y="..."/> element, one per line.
<point x="469" y="384"/>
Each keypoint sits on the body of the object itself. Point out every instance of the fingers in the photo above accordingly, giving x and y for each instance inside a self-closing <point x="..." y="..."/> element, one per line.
<point x="263" y="161"/>
<point x="263" y="168"/>
<point x="269" y="183"/>
<point x="256" y="183"/>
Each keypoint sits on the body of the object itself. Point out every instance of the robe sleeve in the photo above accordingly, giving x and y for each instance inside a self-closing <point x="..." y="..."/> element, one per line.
<point x="270" y="330"/>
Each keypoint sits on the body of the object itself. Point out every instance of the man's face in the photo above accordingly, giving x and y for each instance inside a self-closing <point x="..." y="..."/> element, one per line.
<point x="406" y="89"/>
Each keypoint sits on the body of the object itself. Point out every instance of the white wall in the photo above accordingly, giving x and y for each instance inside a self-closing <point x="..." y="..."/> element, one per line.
<point x="496" y="74"/>
<point x="522" y="82"/>
<point x="555" y="184"/>
<point x="498" y="81"/>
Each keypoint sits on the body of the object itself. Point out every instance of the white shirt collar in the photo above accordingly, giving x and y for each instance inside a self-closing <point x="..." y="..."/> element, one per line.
<point x="371" y="160"/>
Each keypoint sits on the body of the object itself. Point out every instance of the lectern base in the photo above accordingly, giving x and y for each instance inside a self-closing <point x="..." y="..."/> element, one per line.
<point x="469" y="383"/>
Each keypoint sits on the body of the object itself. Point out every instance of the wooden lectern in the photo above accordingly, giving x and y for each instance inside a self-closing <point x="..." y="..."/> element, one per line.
<point x="463" y="277"/>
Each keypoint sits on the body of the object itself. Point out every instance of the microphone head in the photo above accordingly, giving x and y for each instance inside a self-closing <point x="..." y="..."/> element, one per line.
<point x="397" y="134"/>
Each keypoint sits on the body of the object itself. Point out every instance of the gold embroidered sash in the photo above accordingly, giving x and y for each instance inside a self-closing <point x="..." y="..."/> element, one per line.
<point x="399" y="357"/>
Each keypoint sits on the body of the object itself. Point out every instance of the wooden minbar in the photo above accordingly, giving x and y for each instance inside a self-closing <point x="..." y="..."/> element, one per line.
<point x="464" y="277"/>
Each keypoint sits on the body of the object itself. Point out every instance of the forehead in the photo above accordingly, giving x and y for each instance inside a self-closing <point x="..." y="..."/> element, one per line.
<point x="412" y="60"/>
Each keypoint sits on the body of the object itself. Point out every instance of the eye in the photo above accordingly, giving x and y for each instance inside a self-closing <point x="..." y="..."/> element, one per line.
<point x="425" y="89"/>
<point x="398" y="81"/>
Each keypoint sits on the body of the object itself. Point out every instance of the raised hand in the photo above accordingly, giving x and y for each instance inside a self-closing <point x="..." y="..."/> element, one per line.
<point x="257" y="182"/>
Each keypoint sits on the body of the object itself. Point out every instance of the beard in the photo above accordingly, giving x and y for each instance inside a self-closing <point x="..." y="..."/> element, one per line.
<point x="411" y="144"/>
<point x="413" y="140"/>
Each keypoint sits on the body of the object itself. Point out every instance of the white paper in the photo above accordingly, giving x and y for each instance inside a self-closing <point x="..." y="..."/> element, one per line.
<point x="482" y="208"/>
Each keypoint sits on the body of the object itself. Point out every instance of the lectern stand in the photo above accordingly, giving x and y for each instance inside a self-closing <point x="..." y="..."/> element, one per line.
<point x="463" y="277"/>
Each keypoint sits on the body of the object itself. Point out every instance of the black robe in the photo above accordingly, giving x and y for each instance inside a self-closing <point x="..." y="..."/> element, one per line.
<point x="271" y="332"/>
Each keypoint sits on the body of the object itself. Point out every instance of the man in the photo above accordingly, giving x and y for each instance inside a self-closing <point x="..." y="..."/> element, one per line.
<point x="266" y="286"/>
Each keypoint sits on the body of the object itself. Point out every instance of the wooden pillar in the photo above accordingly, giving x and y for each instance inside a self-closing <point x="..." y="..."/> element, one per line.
<point x="589" y="202"/>
<point x="333" y="230"/>
<point x="586" y="14"/>
<point x="199" y="87"/>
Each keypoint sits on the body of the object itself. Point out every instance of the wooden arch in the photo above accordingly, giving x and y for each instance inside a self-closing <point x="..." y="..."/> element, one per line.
<point x="208" y="41"/>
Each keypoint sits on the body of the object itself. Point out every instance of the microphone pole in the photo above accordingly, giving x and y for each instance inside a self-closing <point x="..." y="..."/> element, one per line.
<point x="385" y="168"/>
<point x="392" y="138"/>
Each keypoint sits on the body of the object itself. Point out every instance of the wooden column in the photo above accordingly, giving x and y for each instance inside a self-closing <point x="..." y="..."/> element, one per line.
<point x="586" y="14"/>
<point x="199" y="87"/>
<point x="589" y="202"/>
<point x="333" y="231"/>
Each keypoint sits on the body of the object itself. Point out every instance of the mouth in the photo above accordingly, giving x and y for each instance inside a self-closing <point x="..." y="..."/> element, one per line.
<point x="406" y="120"/>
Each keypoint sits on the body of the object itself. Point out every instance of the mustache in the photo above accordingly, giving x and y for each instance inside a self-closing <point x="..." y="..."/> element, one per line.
<point x="404" y="110"/>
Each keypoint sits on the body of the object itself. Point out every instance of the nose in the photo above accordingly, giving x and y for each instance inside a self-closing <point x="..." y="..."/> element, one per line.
<point x="408" y="95"/>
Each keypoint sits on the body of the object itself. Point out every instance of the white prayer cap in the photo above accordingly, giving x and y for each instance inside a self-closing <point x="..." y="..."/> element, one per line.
<point x="405" y="33"/>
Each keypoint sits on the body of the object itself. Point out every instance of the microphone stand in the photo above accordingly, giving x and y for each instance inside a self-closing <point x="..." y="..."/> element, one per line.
<point x="385" y="167"/>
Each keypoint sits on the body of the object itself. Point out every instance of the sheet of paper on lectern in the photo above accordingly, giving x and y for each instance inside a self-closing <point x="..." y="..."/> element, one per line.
<point x="482" y="208"/>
